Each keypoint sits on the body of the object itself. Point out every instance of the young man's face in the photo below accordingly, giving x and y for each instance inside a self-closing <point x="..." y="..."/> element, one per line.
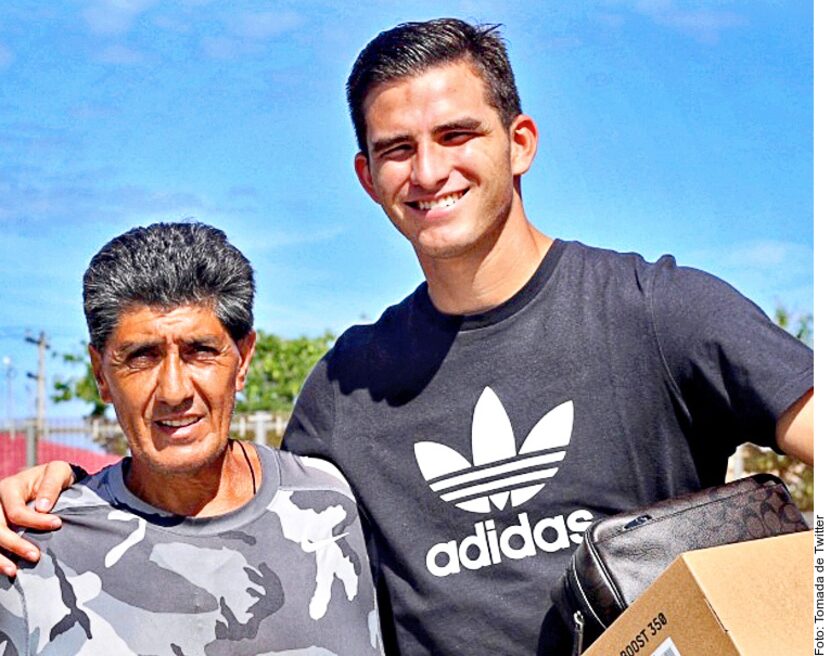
<point x="440" y="162"/>
<point x="172" y="377"/>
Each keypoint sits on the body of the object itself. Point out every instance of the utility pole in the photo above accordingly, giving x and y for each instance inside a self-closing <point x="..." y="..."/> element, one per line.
<point x="10" y="372"/>
<point x="40" y="419"/>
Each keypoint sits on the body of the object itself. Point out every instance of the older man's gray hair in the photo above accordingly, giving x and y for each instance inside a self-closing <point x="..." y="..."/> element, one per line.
<point x="166" y="265"/>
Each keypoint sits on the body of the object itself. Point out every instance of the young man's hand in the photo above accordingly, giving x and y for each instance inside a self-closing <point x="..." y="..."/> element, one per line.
<point x="41" y="484"/>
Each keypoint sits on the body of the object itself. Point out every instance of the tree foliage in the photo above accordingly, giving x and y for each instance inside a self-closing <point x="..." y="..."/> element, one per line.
<point x="800" y="325"/>
<point x="797" y="475"/>
<point x="279" y="369"/>
<point x="81" y="387"/>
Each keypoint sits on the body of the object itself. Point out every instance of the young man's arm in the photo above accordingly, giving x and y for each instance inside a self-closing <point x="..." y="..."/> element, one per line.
<point x="41" y="484"/>
<point x="794" y="429"/>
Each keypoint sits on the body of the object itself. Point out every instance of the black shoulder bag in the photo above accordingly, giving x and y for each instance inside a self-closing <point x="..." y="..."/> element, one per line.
<point x="621" y="556"/>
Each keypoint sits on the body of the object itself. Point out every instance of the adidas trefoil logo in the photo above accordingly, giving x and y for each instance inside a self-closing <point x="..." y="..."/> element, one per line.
<point x="498" y="472"/>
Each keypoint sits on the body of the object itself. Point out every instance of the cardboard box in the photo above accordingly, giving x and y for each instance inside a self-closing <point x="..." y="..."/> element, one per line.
<point x="748" y="599"/>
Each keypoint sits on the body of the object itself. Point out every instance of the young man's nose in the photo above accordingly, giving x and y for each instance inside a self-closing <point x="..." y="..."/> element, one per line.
<point x="430" y="167"/>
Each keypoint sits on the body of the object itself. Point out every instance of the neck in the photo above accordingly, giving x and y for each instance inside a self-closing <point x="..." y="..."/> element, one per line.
<point x="491" y="272"/>
<point x="216" y="488"/>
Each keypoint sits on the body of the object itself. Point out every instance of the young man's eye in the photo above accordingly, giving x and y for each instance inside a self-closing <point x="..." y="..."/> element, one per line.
<point x="397" y="152"/>
<point x="455" y="138"/>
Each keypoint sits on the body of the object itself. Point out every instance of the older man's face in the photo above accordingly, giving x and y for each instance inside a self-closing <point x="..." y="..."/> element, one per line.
<point x="172" y="377"/>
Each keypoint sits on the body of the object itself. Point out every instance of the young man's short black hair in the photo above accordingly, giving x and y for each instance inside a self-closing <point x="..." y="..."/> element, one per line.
<point x="411" y="48"/>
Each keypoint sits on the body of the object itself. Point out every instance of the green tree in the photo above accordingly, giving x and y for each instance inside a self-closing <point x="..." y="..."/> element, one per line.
<point x="800" y="325"/>
<point x="279" y="368"/>
<point x="81" y="387"/>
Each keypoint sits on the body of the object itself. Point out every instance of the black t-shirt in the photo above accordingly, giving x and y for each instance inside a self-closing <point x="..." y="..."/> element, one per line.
<point x="480" y="447"/>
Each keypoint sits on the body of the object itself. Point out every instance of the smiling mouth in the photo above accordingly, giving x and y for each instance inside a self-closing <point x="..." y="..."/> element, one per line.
<point x="177" y="423"/>
<point x="442" y="202"/>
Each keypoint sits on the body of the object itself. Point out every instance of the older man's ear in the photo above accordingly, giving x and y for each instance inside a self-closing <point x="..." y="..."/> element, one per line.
<point x="247" y="348"/>
<point x="96" y="359"/>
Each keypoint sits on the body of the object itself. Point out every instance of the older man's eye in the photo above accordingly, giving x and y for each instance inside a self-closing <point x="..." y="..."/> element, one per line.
<point x="203" y="351"/>
<point x="141" y="357"/>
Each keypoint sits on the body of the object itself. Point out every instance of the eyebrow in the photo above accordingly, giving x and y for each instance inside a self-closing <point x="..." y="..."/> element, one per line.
<point x="206" y="340"/>
<point x="128" y="348"/>
<point x="388" y="142"/>
<point x="460" y="124"/>
<point x="132" y="347"/>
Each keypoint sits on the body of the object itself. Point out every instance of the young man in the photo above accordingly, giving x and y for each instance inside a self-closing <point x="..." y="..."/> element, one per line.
<point x="196" y="544"/>
<point x="529" y="386"/>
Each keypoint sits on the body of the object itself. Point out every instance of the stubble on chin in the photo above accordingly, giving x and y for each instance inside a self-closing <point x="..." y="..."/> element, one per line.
<point x="158" y="465"/>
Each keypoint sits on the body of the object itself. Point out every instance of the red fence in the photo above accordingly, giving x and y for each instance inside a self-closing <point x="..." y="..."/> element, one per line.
<point x="13" y="454"/>
<point x="78" y="440"/>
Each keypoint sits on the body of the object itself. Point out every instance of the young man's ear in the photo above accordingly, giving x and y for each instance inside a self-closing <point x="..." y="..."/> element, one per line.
<point x="524" y="137"/>
<point x="98" y="371"/>
<point x="246" y="346"/>
<point x="364" y="174"/>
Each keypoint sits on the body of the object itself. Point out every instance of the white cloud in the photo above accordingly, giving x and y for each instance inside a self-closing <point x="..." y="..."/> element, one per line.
<point x="6" y="56"/>
<point x="703" y="24"/>
<point x="93" y="111"/>
<point x="611" y="20"/>
<point x="36" y="200"/>
<point x="223" y="47"/>
<point x="114" y="16"/>
<point x="264" y="25"/>
<point x="174" y="24"/>
<point x="276" y="238"/>
<point x="770" y="272"/>
<point x="32" y="137"/>
<point x="242" y="191"/>
<point x="767" y="254"/>
<point x="247" y="33"/>
<point x="120" y="54"/>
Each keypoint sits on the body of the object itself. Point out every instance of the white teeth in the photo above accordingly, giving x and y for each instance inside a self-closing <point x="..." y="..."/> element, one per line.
<point x="176" y="423"/>
<point x="445" y="201"/>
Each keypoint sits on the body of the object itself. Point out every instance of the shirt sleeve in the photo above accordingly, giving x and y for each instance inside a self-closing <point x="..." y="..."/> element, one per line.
<point x="735" y="371"/>
<point x="13" y="634"/>
<point x="311" y="427"/>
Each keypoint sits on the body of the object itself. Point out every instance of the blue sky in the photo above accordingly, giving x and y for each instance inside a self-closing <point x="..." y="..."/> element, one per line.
<point x="667" y="126"/>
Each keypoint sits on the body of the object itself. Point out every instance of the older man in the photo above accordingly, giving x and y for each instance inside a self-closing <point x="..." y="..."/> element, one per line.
<point x="530" y="385"/>
<point x="196" y="544"/>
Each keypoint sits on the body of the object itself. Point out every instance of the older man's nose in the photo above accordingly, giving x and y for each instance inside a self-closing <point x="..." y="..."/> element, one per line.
<point x="174" y="385"/>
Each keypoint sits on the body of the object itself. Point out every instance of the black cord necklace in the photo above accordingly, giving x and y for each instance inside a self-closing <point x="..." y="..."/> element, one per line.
<point x="250" y="466"/>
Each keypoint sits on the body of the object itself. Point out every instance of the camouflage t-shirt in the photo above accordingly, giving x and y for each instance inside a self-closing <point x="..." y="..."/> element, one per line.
<point x="287" y="573"/>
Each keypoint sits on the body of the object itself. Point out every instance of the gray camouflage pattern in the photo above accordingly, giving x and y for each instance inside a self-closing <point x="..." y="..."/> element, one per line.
<point x="285" y="574"/>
